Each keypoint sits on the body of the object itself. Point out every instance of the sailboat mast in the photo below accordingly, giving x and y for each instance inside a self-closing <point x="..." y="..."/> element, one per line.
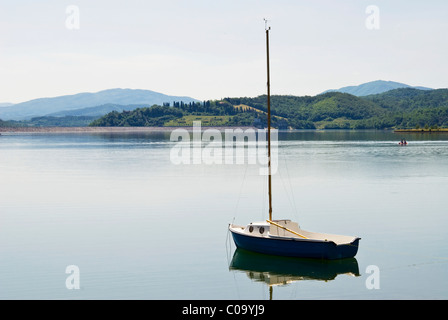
<point x="269" y="124"/>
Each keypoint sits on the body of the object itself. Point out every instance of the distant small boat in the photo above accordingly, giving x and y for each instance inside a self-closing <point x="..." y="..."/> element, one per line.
<point x="403" y="142"/>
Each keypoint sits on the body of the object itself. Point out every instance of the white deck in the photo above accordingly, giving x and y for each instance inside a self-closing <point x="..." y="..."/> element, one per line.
<point x="266" y="230"/>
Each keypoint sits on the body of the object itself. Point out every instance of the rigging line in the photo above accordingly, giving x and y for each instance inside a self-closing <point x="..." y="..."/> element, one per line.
<point x="286" y="190"/>
<point x="296" y="212"/>
<point x="235" y="281"/>
<point x="228" y="248"/>
<point x="284" y="187"/>
<point x="241" y="190"/>
<point x="263" y="199"/>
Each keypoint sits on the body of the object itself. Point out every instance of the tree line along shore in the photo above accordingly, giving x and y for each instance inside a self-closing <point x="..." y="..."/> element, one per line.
<point x="400" y="109"/>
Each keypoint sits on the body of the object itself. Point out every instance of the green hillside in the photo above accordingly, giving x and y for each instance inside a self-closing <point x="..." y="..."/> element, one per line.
<point x="404" y="108"/>
<point x="3" y="123"/>
<point x="399" y="108"/>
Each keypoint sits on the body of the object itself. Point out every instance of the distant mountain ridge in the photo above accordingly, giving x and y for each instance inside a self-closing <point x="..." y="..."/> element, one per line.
<point x="45" y="106"/>
<point x="97" y="111"/>
<point x="374" y="87"/>
<point x="102" y="102"/>
<point x="398" y="108"/>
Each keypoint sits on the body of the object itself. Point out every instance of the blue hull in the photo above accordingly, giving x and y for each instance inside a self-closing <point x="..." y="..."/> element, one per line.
<point x="302" y="248"/>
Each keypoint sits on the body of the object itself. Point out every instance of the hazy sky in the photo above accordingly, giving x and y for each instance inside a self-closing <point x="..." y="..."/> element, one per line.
<point x="211" y="49"/>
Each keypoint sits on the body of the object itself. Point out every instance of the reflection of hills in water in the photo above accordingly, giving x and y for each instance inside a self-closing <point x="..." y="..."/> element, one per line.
<point x="276" y="270"/>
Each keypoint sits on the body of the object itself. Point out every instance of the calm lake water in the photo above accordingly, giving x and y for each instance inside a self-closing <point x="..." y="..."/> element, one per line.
<point x="138" y="226"/>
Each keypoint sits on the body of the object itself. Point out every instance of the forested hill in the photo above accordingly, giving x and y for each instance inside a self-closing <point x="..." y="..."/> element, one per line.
<point x="399" y="108"/>
<point x="410" y="99"/>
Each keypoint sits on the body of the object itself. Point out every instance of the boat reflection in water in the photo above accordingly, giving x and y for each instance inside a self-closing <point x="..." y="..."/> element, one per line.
<point x="277" y="270"/>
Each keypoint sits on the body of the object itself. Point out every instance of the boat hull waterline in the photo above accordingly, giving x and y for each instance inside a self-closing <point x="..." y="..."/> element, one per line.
<point x="294" y="246"/>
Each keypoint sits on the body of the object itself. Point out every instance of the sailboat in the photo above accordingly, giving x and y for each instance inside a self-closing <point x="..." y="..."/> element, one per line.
<point x="284" y="237"/>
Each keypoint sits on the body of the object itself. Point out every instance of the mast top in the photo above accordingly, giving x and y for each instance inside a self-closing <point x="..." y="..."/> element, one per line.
<point x="266" y="24"/>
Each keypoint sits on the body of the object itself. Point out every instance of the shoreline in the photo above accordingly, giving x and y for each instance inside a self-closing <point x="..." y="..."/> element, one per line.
<point x="13" y="130"/>
<point x="444" y="130"/>
<point x="102" y="129"/>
